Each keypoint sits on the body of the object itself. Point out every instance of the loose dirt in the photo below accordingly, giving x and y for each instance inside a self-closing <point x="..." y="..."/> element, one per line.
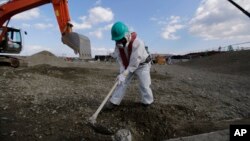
<point x="46" y="102"/>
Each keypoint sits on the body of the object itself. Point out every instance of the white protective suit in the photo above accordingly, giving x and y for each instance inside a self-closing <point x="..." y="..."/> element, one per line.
<point x="138" y="56"/>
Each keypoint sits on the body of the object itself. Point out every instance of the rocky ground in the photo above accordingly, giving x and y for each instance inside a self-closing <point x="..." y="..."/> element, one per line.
<point x="46" y="102"/>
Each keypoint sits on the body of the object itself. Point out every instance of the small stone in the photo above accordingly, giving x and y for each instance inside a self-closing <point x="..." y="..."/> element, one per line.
<point x="122" y="135"/>
<point x="4" y="118"/>
<point x="12" y="133"/>
<point x="54" y="112"/>
<point x="5" y="107"/>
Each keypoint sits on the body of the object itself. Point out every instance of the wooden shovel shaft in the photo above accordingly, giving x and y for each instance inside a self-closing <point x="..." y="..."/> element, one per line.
<point x="94" y="116"/>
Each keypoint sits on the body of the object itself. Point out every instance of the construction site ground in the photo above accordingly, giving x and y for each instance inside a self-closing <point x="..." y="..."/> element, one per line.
<point x="53" y="102"/>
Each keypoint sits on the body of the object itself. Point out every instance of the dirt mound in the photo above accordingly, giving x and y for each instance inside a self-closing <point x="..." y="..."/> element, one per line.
<point x="229" y="62"/>
<point x="44" y="57"/>
<point x="46" y="53"/>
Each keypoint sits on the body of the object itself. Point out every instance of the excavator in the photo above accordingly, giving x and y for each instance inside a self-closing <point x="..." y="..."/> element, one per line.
<point x="11" y="38"/>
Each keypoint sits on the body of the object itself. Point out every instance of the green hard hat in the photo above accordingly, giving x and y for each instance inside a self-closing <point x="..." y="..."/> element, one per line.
<point x="118" y="31"/>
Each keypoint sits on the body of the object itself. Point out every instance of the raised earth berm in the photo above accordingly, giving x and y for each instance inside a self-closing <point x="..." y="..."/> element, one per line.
<point x="233" y="62"/>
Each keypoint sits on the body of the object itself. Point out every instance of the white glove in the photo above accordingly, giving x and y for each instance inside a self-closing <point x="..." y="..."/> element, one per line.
<point x="121" y="77"/>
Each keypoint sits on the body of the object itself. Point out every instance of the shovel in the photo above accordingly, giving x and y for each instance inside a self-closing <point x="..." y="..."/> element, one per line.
<point x="92" y="119"/>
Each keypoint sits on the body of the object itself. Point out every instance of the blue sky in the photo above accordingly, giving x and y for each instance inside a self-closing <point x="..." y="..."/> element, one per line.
<point x="166" y="26"/>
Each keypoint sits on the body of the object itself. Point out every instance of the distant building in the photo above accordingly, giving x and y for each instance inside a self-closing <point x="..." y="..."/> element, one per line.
<point x="106" y="58"/>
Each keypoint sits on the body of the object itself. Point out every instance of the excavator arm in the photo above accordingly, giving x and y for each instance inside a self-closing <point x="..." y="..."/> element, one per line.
<point x="240" y="8"/>
<point x="70" y="38"/>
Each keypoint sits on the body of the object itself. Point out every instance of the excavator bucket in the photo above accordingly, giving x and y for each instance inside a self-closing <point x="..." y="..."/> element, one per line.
<point x="79" y="43"/>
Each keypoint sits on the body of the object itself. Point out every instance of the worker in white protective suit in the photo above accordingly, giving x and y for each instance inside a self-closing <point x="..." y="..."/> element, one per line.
<point x="133" y="60"/>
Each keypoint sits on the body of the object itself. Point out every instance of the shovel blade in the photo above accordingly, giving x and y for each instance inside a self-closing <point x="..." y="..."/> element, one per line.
<point x="98" y="128"/>
<point x="79" y="43"/>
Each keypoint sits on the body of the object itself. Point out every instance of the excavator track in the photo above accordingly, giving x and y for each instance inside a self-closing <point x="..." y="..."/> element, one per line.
<point x="9" y="61"/>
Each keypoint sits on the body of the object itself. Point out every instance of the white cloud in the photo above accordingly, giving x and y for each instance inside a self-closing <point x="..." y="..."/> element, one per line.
<point x="28" y="15"/>
<point x="43" y="25"/>
<point x="173" y="25"/>
<point x="99" y="32"/>
<point x="170" y="30"/>
<point x="100" y="14"/>
<point x="218" y="19"/>
<point x="83" y="25"/>
<point x="96" y="15"/>
<point x="169" y="26"/>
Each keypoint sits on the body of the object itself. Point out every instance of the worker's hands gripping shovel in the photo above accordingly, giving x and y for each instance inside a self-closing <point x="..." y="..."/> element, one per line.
<point x="122" y="77"/>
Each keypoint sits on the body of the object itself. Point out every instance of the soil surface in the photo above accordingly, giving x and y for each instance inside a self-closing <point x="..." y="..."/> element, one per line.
<point x="54" y="103"/>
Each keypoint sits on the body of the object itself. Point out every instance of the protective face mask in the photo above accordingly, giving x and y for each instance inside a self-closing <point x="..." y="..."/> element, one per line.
<point x="127" y="44"/>
<point x="124" y="42"/>
<point x="120" y="45"/>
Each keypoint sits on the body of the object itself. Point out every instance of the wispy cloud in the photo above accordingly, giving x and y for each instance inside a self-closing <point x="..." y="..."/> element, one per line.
<point x="43" y="25"/>
<point x="83" y="24"/>
<point x="98" y="2"/>
<point x="99" y="32"/>
<point x="39" y="26"/>
<point x="170" y="26"/>
<point x="160" y="21"/>
<point x="170" y="29"/>
<point x="28" y="15"/>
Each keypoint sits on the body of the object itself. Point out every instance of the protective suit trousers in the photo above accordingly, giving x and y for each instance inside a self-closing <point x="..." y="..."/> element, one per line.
<point x="143" y="74"/>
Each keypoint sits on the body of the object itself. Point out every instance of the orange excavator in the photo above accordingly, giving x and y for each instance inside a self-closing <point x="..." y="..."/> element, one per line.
<point x="11" y="39"/>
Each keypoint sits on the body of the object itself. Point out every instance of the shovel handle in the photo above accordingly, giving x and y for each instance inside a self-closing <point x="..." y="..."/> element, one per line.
<point x="104" y="101"/>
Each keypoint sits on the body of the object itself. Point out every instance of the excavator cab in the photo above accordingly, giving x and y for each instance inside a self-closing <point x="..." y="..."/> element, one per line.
<point x="11" y="40"/>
